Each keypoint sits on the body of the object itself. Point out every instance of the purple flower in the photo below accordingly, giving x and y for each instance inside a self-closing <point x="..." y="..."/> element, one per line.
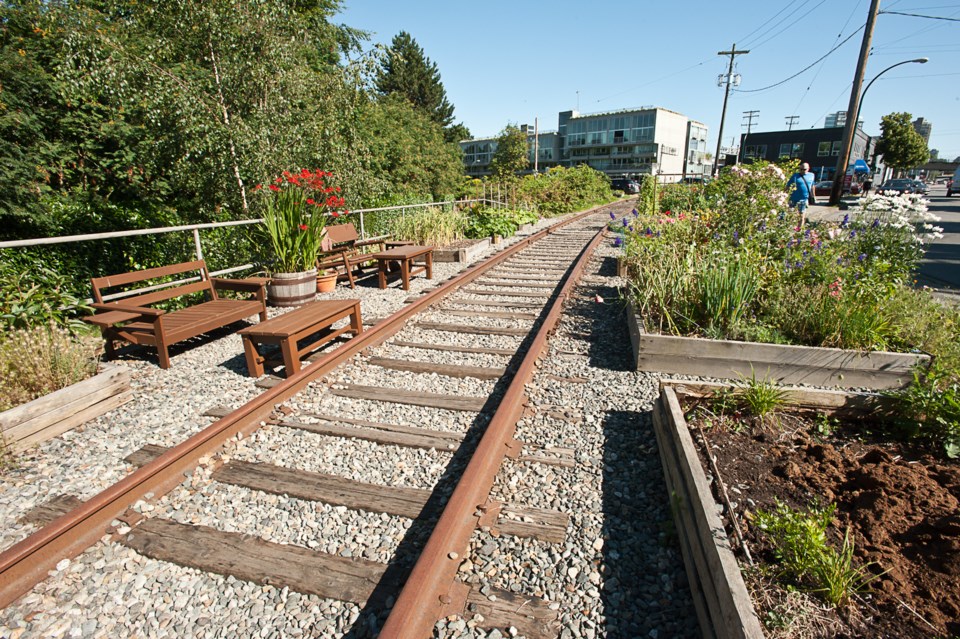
<point x="853" y="234"/>
<point x="876" y="223"/>
<point x="736" y="235"/>
<point x="636" y="213"/>
<point x="846" y="220"/>
<point x="649" y="232"/>
<point x="862" y="257"/>
<point x="625" y="222"/>
<point x="618" y="241"/>
<point x="839" y="260"/>
<point x="630" y="228"/>
<point x="613" y="215"/>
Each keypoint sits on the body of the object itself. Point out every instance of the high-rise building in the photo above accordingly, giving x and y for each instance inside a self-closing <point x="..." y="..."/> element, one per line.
<point x="924" y="128"/>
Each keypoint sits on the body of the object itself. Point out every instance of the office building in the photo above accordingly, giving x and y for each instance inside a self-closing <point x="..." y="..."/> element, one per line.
<point x="819" y="147"/>
<point x="628" y="142"/>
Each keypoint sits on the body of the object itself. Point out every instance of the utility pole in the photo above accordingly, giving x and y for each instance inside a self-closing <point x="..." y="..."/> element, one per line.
<point x="791" y="120"/>
<point x="850" y="127"/>
<point x="536" y="145"/>
<point x="748" y="117"/>
<point x="727" y="79"/>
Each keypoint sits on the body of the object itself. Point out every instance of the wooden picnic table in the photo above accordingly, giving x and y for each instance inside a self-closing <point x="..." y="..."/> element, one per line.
<point x="287" y="330"/>
<point x="406" y="257"/>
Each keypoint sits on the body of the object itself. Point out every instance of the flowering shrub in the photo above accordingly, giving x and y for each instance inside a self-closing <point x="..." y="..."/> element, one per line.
<point x="295" y="207"/>
<point x="742" y="269"/>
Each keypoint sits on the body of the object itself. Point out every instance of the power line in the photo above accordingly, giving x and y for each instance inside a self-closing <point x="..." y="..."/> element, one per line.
<point x="807" y="68"/>
<point x="917" y="15"/>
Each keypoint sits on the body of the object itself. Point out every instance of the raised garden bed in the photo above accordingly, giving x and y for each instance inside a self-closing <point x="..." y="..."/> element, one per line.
<point x="726" y="359"/>
<point x="462" y="251"/>
<point x="54" y="414"/>
<point x="900" y="504"/>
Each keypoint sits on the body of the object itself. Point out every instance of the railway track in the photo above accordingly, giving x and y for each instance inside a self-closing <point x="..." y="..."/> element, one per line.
<point x="429" y="399"/>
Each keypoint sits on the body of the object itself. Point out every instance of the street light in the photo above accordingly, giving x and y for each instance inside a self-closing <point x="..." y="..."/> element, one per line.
<point x="839" y="178"/>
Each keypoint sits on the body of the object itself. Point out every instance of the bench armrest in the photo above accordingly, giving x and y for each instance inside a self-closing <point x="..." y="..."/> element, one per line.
<point x="372" y="241"/>
<point x="251" y="286"/>
<point x="146" y="311"/>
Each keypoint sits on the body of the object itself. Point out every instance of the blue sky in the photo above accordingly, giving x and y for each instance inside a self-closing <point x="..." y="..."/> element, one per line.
<point x="510" y="62"/>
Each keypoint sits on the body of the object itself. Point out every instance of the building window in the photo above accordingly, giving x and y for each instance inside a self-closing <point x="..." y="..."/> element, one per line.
<point x="794" y="150"/>
<point x="824" y="148"/>
<point x="836" y="148"/>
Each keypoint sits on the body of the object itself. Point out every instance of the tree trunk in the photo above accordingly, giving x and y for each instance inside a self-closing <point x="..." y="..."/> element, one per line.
<point x="226" y="121"/>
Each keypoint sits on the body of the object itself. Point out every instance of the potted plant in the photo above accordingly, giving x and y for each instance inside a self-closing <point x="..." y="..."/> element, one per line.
<point x="296" y="207"/>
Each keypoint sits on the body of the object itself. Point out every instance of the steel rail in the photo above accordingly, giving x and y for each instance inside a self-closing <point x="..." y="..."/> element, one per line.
<point x="429" y="593"/>
<point x="27" y="562"/>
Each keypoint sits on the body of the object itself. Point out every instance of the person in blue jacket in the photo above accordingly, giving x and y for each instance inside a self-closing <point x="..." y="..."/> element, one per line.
<point x="802" y="183"/>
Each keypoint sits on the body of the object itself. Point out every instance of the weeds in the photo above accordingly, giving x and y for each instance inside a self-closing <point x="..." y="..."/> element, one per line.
<point x="39" y="360"/>
<point x="760" y="397"/>
<point x="799" y="541"/>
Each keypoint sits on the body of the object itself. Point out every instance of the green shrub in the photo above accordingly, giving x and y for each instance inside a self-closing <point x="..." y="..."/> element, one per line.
<point x="32" y="294"/>
<point x="485" y="222"/>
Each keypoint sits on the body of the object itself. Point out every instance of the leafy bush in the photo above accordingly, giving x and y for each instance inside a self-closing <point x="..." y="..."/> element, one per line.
<point x="561" y="190"/>
<point x="485" y="222"/>
<point x="32" y="294"/>
<point x="929" y="409"/>
<point x="38" y="360"/>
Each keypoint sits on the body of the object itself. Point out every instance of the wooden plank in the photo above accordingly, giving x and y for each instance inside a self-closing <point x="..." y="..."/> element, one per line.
<point x="258" y="561"/>
<point x="393" y="428"/>
<point x="476" y="291"/>
<point x="737" y="616"/>
<point x="77" y="419"/>
<point x="785" y="363"/>
<point x="217" y="411"/>
<point x="531" y="616"/>
<point x="473" y="330"/>
<point x="506" y="352"/>
<point x="396" y="396"/>
<point x="145" y="454"/>
<point x="43" y="514"/>
<point x="796" y="396"/>
<point x="499" y="314"/>
<point x="268" y="382"/>
<point x="516" y="276"/>
<point x="503" y="284"/>
<point x="447" y="370"/>
<point x="495" y="303"/>
<point x="63" y="402"/>
<point x="423" y="438"/>
<point x="329" y="489"/>
<point x="540" y="523"/>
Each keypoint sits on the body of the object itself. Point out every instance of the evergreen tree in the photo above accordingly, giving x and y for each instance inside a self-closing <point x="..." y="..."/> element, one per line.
<point x="900" y="144"/>
<point x="407" y="71"/>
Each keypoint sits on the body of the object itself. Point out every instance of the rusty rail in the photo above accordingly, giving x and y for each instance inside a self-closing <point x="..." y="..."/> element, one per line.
<point x="26" y="563"/>
<point x="430" y="593"/>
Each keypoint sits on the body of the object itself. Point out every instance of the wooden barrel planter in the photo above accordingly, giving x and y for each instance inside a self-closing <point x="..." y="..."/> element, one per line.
<point x="292" y="289"/>
<point x="784" y="363"/>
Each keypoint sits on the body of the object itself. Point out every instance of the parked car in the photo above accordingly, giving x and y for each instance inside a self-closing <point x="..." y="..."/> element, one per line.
<point x="627" y="185"/>
<point x="823" y="188"/>
<point x="900" y="185"/>
<point x="920" y="186"/>
<point x="953" y="184"/>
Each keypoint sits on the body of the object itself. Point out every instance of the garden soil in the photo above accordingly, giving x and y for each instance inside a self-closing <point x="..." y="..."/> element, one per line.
<point x="902" y="506"/>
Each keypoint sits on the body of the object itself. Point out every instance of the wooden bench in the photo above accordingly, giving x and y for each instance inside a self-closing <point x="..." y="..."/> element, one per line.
<point x="347" y="250"/>
<point x="132" y="319"/>
<point x="287" y="330"/>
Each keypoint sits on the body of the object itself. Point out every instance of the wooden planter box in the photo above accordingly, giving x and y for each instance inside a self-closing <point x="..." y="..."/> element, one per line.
<point x="51" y="415"/>
<point x="723" y="604"/>
<point x="788" y="364"/>
<point x="461" y="253"/>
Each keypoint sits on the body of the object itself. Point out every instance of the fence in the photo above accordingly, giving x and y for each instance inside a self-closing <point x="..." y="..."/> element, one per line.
<point x="362" y="217"/>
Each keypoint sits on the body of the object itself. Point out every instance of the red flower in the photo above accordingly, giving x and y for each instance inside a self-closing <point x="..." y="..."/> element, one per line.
<point x="274" y="187"/>
<point x="335" y="214"/>
<point x="304" y="227"/>
<point x="309" y="200"/>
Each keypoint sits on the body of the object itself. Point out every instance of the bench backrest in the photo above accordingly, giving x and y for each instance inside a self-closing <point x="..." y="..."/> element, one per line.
<point x="168" y="290"/>
<point x="342" y="233"/>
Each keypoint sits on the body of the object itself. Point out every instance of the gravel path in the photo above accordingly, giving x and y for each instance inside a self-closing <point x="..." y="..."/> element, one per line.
<point x="618" y="574"/>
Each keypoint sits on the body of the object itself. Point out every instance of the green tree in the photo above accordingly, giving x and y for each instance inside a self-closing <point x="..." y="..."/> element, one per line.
<point x="408" y="158"/>
<point x="900" y="144"/>
<point x="512" y="155"/>
<point x="407" y="71"/>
